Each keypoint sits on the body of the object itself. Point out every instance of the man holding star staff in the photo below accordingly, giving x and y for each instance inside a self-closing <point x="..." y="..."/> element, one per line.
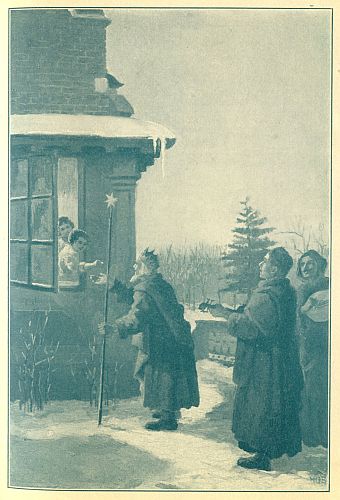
<point x="165" y="365"/>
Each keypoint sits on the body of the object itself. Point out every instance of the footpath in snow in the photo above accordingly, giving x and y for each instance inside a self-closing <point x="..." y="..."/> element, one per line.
<point x="201" y="455"/>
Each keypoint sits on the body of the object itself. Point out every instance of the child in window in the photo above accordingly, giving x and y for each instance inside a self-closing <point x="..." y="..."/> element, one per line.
<point x="70" y="266"/>
<point x="65" y="226"/>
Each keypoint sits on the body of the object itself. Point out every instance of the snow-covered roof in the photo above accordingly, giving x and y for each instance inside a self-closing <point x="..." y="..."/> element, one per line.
<point x="90" y="125"/>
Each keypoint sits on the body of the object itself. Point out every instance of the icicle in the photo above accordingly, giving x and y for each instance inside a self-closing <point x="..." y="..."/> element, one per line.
<point x="154" y="141"/>
<point x="162" y="155"/>
<point x="159" y="144"/>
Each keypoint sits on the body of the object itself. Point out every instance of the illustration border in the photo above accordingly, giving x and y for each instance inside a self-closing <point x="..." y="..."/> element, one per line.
<point x="331" y="68"/>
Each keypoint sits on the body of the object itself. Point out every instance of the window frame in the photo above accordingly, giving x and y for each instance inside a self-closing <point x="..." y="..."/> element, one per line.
<point x="34" y="242"/>
<point x="54" y="157"/>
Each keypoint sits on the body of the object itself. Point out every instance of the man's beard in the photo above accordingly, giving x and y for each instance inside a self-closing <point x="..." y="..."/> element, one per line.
<point x="139" y="276"/>
<point x="136" y="278"/>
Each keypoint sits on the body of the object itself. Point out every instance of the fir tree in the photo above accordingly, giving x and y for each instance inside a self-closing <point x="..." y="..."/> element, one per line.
<point x="250" y="244"/>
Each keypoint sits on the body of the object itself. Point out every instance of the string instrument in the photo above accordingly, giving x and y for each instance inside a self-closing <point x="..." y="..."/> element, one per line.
<point x="210" y="305"/>
<point x="316" y="306"/>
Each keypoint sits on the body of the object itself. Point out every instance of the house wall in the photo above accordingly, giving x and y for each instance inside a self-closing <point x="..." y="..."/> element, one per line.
<point x="116" y="173"/>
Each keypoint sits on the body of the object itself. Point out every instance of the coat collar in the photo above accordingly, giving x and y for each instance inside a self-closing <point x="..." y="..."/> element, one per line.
<point x="273" y="283"/>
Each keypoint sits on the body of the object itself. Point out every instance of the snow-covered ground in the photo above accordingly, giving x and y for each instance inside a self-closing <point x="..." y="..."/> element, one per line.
<point x="63" y="447"/>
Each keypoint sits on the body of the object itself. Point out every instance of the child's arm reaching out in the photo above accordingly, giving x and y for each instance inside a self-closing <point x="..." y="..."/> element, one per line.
<point x="86" y="266"/>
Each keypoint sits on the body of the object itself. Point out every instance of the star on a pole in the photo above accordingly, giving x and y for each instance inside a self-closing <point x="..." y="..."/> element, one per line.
<point x="111" y="200"/>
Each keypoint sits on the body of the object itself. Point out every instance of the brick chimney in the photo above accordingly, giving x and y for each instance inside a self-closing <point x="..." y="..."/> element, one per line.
<point x="58" y="64"/>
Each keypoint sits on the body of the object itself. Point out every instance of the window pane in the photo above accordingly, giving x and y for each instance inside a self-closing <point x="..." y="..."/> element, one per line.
<point x="68" y="189"/>
<point x="19" y="178"/>
<point x="18" y="262"/>
<point x="42" y="265"/>
<point x="41" y="175"/>
<point x="42" y="219"/>
<point x="18" y="220"/>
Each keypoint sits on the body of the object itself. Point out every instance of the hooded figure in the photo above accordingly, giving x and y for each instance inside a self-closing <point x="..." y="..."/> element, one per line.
<point x="312" y="321"/>
<point x="165" y="364"/>
<point x="267" y="371"/>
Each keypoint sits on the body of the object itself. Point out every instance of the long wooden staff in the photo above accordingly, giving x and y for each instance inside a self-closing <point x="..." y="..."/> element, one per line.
<point x="111" y="203"/>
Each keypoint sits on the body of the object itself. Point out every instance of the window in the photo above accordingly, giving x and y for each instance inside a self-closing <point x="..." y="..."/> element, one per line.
<point x="41" y="186"/>
<point x="31" y="220"/>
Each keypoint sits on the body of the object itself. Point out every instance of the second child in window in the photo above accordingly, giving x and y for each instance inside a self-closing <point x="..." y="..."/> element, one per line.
<point x="70" y="265"/>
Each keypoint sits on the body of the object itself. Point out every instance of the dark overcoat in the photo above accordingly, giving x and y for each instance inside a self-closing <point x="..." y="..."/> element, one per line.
<point x="165" y="361"/>
<point x="267" y="371"/>
<point x="313" y="338"/>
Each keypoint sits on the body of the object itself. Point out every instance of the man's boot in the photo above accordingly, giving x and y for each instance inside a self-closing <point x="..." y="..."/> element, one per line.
<point x="167" y="422"/>
<point x="259" y="461"/>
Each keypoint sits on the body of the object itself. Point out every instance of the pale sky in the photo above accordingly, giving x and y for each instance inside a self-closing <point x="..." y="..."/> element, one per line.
<point x="247" y="94"/>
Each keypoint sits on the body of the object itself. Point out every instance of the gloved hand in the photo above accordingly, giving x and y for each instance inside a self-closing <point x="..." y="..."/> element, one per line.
<point x="100" y="279"/>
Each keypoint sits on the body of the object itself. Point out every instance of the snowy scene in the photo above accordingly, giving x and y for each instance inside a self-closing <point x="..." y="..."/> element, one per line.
<point x="201" y="455"/>
<point x="169" y="249"/>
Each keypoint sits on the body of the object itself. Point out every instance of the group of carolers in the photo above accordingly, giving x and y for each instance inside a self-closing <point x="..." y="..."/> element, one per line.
<point x="281" y="360"/>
